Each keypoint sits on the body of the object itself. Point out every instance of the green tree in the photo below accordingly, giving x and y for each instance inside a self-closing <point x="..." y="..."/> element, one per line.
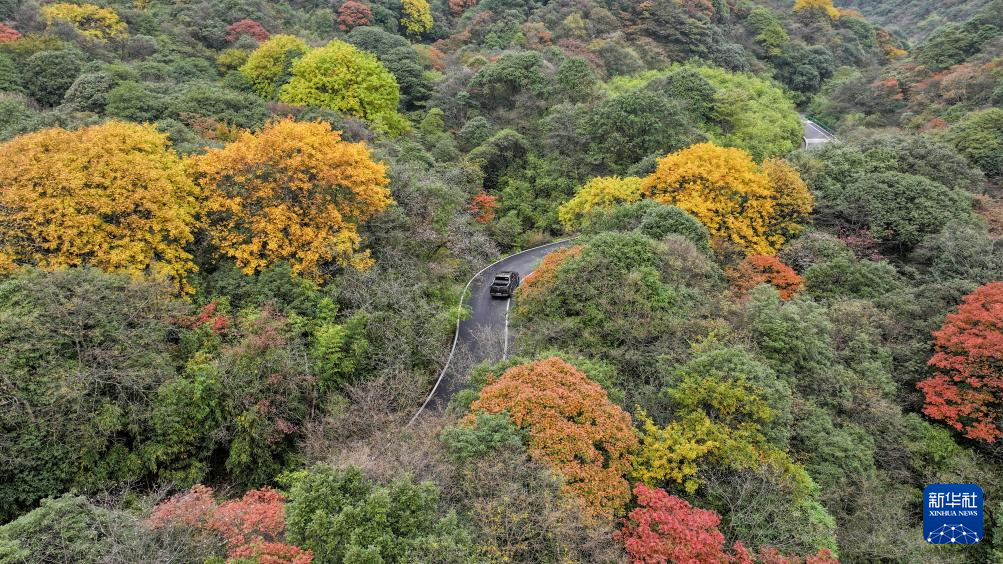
<point x="340" y="77"/>
<point x="84" y="353"/>
<point x="269" y="67"/>
<point x="49" y="74"/>
<point x="134" y="102"/>
<point x="629" y="127"/>
<point x="979" y="137"/>
<point x="342" y="517"/>
<point x="62" y="529"/>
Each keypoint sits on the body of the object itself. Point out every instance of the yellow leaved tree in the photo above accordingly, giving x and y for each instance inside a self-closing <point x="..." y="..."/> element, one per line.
<point x="603" y="192"/>
<point x="817" y="7"/>
<point x="753" y="207"/>
<point x="89" y="20"/>
<point x="293" y="191"/>
<point x="113" y="196"/>
<point x="417" y="16"/>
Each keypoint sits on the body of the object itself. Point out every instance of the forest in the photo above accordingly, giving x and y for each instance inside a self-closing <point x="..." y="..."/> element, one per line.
<point x="234" y="234"/>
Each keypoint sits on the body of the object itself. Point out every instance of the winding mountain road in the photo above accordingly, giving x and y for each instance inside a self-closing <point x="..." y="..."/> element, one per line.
<point x="484" y="334"/>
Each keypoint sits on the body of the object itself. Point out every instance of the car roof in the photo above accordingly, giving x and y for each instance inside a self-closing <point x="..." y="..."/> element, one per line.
<point x="505" y="273"/>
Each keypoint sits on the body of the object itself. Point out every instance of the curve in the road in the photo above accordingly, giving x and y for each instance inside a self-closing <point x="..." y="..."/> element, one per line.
<point x="491" y="315"/>
<point x="486" y="313"/>
<point x="815" y="134"/>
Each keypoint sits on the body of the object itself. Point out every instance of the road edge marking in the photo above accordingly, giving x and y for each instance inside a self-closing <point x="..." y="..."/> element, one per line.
<point x="459" y="311"/>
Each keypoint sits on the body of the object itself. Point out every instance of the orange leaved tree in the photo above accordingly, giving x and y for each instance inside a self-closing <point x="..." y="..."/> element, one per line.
<point x="754" y="207"/>
<point x="762" y="269"/>
<point x="572" y="425"/>
<point x="114" y="196"/>
<point x="967" y="390"/>
<point x="292" y="192"/>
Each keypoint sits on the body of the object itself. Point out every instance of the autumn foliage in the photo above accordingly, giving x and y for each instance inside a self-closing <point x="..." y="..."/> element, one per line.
<point x="8" y="34"/>
<point x="113" y="196"/>
<point x="251" y="527"/>
<point x="762" y="269"/>
<point x="817" y="6"/>
<point x="599" y="193"/>
<point x="89" y="20"/>
<point x="353" y="14"/>
<point x="664" y="528"/>
<point x="483" y="207"/>
<point x="417" y="16"/>
<point x="292" y="192"/>
<point x="572" y="425"/>
<point x="966" y="393"/>
<point x="753" y="207"/>
<point x="247" y="27"/>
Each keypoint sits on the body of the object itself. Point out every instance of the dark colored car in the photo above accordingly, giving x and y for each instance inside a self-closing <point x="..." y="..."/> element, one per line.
<point x="504" y="284"/>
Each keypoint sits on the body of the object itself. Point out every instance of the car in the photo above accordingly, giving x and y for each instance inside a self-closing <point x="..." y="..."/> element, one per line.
<point x="504" y="284"/>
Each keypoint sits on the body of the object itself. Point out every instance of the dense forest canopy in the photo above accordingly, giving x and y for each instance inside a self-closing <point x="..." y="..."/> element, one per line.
<point x="233" y="237"/>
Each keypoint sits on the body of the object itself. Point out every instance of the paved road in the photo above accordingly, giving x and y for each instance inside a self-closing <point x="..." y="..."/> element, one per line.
<point x="484" y="334"/>
<point x="814" y="134"/>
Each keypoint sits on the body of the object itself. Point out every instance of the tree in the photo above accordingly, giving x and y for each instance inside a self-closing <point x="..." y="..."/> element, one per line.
<point x="82" y="353"/>
<point x="269" y="67"/>
<point x="293" y="191"/>
<point x="342" y="517"/>
<point x="901" y="210"/>
<point x="598" y="193"/>
<point x="727" y="192"/>
<point x="417" y="16"/>
<point x="213" y="103"/>
<point x="340" y="77"/>
<point x="665" y="528"/>
<point x="134" y="102"/>
<point x="112" y="196"/>
<point x="759" y="269"/>
<point x="966" y="392"/>
<point x="793" y="201"/>
<point x="815" y="7"/>
<point x="247" y="27"/>
<point x="399" y="57"/>
<point x="49" y="74"/>
<point x="625" y="129"/>
<point x="8" y="34"/>
<point x="753" y="114"/>
<point x="89" y="20"/>
<point x="250" y="527"/>
<point x="653" y="219"/>
<point x="979" y="137"/>
<point x="61" y="529"/>
<point x="352" y="14"/>
<point x="572" y="425"/>
<point x="89" y="92"/>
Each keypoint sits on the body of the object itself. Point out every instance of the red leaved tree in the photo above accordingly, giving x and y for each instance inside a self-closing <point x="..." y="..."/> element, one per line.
<point x="247" y="27"/>
<point x="762" y="269"/>
<point x="251" y="527"/>
<point x="664" y="528"/>
<point x="966" y="393"/>
<point x="353" y="14"/>
<point x="8" y="34"/>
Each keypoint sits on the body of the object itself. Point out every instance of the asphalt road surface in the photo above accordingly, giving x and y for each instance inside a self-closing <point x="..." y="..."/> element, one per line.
<point x="814" y="134"/>
<point x="484" y="334"/>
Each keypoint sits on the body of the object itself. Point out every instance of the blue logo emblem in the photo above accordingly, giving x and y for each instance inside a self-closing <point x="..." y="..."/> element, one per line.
<point x="952" y="514"/>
